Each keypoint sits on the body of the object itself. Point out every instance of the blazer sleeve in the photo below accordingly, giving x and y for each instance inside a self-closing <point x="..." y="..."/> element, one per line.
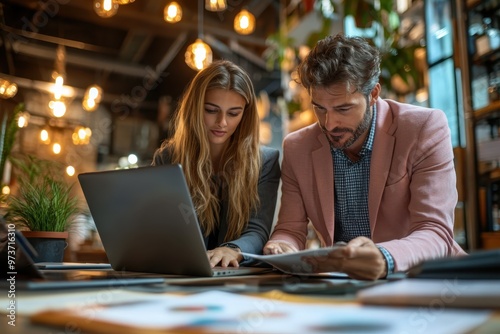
<point x="259" y="226"/>
<point x="432" y="199"/>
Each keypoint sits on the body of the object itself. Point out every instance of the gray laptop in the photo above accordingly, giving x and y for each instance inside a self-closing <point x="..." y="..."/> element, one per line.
<point x="147" y="222"/>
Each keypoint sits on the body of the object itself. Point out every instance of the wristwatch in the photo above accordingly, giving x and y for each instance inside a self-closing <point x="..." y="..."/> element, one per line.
<point x="230" y="245"/>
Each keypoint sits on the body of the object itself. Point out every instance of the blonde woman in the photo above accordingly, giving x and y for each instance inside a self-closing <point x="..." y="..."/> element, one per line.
<point x="232" y="179"/>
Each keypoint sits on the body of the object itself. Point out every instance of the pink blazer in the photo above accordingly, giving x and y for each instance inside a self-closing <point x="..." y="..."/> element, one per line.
<point x="412" y="193"/>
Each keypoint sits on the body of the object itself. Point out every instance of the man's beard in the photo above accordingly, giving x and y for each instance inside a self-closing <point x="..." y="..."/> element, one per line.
<point x="356" y="133"/>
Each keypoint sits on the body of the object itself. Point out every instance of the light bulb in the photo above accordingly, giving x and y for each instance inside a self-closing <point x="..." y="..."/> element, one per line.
<point x="56" y="148"/>
<point x="92" y="98"/>
<point x="215" y="5"/>
<point x="105" y="8"/>
<point x="70" y="170"/>
<point x="7" y="89"/>
<point x="23" y="119"/>
<point x="44" y="136"/>
<point x="58" y="108"/>
<point x="244" y="22"/>
<point x="198" y="55"/>
<point x="172" y="12"/>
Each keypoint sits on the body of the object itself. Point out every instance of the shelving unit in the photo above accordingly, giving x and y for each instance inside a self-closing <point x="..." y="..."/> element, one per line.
<point x="483" y="118"/>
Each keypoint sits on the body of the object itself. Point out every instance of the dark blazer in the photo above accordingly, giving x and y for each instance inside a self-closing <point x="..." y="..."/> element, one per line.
<point x="259" y="226"/>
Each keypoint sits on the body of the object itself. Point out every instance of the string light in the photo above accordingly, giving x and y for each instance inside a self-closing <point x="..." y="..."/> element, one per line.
<point x="56" y="148"/>
<point x="81" y="135"/>
<point x="7" y="89"/>
<point x="44" y="136"/>
<point x="58" y="108"/>
<point x="92" y="98"/>
<point x="198" y="55"/>
<point x="70" y="170"/>
<point x="23" y="119"/>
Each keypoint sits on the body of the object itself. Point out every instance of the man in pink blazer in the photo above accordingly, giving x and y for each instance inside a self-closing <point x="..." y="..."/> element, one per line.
<point x="375" y="174"/>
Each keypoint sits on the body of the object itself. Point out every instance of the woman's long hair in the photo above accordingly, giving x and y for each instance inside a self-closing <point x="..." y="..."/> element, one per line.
<point x="241" y="160"/>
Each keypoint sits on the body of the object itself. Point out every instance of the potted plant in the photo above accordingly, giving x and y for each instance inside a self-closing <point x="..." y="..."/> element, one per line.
<point x="8" y="130"/>
<point x="43" y="205"/>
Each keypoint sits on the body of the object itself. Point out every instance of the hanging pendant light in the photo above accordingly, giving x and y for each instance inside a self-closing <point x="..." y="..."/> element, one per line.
<point x="92" y="98"/>
<point x="215" y="5"/>
<point x="244" y="22"/>
<point x="7" y="89"/>
<point x="199" y="55"/>
<point x="123" y="2"/>
<point x="58" y="108"/>
<point x="172" y="12"/>
<point x="105" y="8"/>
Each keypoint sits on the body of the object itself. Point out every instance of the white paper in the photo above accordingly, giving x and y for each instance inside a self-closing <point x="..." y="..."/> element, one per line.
<point x="221" y="312"/>
<point x="295" y="263"/>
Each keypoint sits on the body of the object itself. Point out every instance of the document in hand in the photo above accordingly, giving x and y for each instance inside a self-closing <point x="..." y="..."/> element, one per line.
<point x="298" y="263"/>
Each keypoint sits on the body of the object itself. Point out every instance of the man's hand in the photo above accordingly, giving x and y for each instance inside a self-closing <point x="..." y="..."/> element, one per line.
<point x="278" y="247"/>
<point x="224" y="256"/>
<point x="360" y="259"/>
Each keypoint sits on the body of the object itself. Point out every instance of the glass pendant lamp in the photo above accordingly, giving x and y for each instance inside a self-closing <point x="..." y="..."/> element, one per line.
<point x="215" y="5"/>
<point x="244" y="22"/>
<point x="92" y="98"/>
<point x="7" y="89"/>
<point x="105" y="8"/>
<point x="172" y="12"/>
<point x="199" y="54"/>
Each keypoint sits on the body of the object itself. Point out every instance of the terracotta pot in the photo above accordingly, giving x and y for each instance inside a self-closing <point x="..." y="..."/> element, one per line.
<point x="50" y="246"/>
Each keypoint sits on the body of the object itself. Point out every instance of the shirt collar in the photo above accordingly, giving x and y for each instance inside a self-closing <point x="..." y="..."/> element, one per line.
<point x="368" y="145"/>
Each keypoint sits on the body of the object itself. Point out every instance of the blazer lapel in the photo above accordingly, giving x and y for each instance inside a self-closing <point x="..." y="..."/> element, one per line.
<point x="323" y="172"/>
<point x="383" y="147"/>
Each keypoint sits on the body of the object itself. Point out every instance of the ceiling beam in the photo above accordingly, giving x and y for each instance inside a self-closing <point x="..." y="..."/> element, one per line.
<point x="94" y="62"/>
<point x="130" y="19"/>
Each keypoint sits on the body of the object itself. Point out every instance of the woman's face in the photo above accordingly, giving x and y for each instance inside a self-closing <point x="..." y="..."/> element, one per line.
<point x="223" y="113"/>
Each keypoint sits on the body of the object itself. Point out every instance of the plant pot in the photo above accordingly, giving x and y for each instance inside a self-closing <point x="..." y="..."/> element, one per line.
<point x="50" y="246"/>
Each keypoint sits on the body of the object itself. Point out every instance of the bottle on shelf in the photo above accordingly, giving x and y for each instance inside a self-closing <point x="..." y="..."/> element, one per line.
<point x="482" y="39"/>
<point x="492" y="33"/>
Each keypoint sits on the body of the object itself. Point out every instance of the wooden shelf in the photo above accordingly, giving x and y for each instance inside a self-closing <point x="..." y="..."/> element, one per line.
<point x="490" y="240"/>
<point x="489" y="57"/>
<point x="492" y="110"/>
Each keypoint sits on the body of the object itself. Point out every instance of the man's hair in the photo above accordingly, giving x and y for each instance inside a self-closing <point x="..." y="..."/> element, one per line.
<point x="340" y="59"/>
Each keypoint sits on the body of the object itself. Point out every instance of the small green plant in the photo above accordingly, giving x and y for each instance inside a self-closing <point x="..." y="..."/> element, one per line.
<point x="44" y="201"/>
<point x="8" y="130"/>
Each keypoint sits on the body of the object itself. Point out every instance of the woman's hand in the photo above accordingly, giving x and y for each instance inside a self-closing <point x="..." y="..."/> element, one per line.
<point x="224" y="256"/>
<point x="278" y="247"/>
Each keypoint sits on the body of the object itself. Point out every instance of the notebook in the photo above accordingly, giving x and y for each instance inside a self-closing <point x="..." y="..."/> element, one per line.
<point x="27" y="276"/>
<point x="147" y="222"/>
